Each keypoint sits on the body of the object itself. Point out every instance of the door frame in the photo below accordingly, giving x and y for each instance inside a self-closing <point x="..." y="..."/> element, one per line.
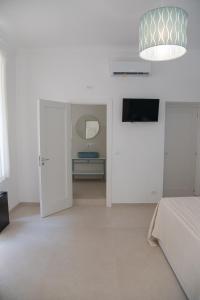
<point x="109" y="135"/>
<point x="166" y="102"/>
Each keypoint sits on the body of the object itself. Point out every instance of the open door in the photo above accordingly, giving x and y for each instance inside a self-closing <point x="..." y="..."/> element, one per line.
<point x="55" y="157"/>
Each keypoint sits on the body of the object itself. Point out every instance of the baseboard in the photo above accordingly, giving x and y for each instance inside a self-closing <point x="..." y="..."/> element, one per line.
<point x="29" y="203"/>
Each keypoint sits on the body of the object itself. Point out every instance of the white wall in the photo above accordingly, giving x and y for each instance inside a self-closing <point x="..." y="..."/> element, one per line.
<point x="11" y="184"/>
<point x="75" y="74"/>
<point x="98" y="143"/>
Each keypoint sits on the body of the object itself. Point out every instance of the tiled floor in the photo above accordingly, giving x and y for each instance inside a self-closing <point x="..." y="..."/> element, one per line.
<point x="84" y="253"/>
<point x="89" y="191"/>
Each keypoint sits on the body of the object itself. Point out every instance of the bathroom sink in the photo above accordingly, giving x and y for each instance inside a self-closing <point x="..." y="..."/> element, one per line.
<point x="88" y="154"/>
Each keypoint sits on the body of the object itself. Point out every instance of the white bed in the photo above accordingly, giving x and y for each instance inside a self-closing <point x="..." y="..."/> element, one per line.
<point x="176" y="227"/>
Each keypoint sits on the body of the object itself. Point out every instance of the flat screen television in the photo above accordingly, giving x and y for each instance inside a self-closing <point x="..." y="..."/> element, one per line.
<point x="140" y="110"/>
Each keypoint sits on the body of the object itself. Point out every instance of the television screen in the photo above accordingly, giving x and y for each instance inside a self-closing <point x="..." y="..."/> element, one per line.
<point x="140" y="110"/>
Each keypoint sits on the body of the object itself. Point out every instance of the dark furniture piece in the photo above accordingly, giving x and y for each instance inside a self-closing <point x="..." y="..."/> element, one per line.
<point x="4" y="214"/>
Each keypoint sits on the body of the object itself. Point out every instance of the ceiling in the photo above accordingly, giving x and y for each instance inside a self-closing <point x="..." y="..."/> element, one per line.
<point x="50" y="23"/>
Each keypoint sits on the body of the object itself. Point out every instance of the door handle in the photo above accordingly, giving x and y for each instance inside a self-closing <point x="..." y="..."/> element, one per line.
<point x="42" y="160"/>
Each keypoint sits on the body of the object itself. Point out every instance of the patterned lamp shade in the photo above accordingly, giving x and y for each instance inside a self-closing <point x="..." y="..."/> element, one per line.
<point x="163" y="34"/>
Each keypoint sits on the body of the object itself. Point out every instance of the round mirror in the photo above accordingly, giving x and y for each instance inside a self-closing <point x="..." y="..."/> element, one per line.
<point x="87" y="127"/>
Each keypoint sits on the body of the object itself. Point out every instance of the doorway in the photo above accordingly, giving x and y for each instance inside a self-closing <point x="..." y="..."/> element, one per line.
<point x="89" y="122"/>
<point x="55" y="158"/>
<point x="182" y="155"/>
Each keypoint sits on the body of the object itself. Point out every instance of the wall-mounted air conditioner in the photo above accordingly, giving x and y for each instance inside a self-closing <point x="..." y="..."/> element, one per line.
<point x="123" y="67"/>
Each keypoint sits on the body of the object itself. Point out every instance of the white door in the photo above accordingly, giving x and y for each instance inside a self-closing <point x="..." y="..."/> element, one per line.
<point x="55" y="157"/>
<point x="180" y="150"/>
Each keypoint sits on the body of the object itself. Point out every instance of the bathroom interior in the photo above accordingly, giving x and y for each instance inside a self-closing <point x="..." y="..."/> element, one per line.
<point x="89" y="154"/>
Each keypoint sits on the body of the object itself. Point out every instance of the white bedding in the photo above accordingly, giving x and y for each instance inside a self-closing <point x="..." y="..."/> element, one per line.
<point x="176" y="227"/>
